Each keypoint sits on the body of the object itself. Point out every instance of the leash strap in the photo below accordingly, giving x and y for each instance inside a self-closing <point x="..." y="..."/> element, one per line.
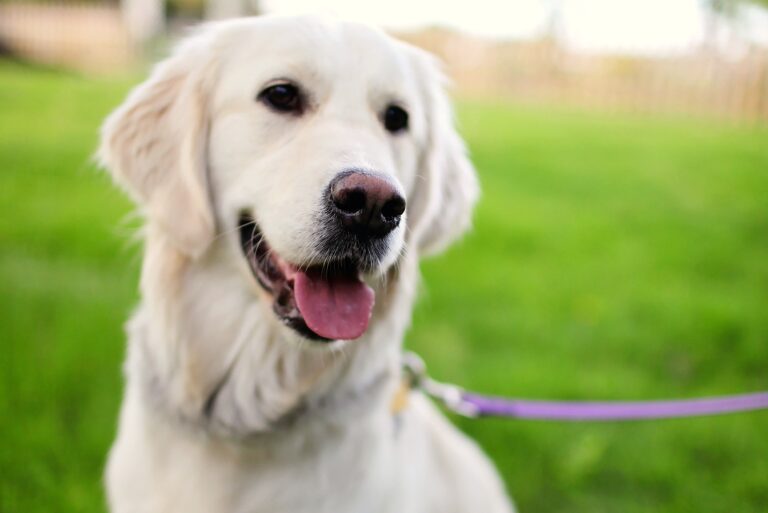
<point x="618" y="410"/>
<point x="475" y="405"/>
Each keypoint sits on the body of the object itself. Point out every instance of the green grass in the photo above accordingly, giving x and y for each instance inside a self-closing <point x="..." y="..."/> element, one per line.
<point x="613" y="257"/>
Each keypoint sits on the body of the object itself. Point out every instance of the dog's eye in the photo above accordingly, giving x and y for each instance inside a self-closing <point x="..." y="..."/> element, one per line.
<point x="395" y="119"/>
<point x="283" y="98"/>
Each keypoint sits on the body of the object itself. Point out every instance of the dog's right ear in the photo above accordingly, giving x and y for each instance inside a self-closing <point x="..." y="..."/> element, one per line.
<point x="154" y="144"/>
<point x="447" y="189"/>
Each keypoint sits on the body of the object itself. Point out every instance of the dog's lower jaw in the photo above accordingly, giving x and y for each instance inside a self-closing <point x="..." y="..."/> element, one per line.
<point x="230" y="368"/>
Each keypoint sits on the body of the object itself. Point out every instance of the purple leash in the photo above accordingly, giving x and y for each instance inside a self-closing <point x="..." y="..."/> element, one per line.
<point x="476" y="405"/>
<point x="481" y="406"/>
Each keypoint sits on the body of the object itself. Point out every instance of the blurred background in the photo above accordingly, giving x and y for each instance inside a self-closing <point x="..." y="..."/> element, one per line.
<point x="620" y="250"/>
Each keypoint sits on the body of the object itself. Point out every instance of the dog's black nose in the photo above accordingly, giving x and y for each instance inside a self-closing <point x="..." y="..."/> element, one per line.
<point x="367" y="205"/>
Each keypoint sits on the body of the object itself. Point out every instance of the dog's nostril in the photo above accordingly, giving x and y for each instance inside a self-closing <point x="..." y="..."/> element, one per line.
<point x="350" y="201"/>
<point x="393" y="208"/>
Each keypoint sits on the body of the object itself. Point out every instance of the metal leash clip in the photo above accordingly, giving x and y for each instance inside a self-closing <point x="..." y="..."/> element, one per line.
<point x="450" y="396"/>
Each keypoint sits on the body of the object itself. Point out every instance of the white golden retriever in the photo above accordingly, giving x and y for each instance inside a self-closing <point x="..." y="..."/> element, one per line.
<point x="292" y="172"/>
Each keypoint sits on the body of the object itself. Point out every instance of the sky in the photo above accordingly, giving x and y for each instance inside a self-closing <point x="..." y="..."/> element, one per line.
<point x="592" y="26"/>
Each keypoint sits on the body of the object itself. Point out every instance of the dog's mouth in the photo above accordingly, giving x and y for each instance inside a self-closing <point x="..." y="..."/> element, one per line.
<point x="328" y="302"/>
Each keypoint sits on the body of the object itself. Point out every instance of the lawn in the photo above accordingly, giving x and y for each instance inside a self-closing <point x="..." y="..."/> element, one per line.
<point x="613" y="257"/>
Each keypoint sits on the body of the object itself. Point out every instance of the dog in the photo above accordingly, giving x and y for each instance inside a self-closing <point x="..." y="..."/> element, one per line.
<point x="291" y="172"/>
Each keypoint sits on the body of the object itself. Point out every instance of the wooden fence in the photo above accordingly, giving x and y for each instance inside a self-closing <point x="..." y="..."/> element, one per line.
<point x="697" y="82"/>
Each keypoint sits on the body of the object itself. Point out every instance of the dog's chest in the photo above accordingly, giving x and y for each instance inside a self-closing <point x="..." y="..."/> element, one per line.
<point x="359" y="476"/>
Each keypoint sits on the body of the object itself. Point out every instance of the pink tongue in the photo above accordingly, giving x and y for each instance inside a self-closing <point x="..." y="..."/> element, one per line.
<point x="334" y="307"/>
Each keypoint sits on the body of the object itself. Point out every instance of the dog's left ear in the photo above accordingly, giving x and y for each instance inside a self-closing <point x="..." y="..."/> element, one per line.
<point x="154" y="144"/>
<point x="446" y="189"/>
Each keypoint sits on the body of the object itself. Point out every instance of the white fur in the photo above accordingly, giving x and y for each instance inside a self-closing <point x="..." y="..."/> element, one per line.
<point x="226" y="409"/>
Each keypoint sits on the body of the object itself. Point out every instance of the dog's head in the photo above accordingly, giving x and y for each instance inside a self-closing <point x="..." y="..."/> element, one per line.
<point x="318" y="152"/>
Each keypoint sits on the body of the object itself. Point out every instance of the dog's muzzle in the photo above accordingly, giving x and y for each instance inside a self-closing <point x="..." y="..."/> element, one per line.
<point x="328" y="300"/>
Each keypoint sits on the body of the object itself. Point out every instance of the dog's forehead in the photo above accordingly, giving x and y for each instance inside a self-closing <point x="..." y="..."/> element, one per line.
<point x="319" y="52"/>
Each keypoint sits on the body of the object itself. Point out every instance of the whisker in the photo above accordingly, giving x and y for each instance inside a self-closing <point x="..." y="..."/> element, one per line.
<point x="224" y="233"/>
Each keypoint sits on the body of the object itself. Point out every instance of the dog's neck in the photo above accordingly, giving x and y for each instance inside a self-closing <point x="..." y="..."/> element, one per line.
<point x="222" y="362"/>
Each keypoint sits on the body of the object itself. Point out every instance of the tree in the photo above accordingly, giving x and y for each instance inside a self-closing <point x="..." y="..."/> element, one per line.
<point x="724" y="10"/>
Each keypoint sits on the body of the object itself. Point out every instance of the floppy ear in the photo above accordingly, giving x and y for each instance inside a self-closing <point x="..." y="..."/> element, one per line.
<point x="446" y="187"/>
<point x="155" y="146"/>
